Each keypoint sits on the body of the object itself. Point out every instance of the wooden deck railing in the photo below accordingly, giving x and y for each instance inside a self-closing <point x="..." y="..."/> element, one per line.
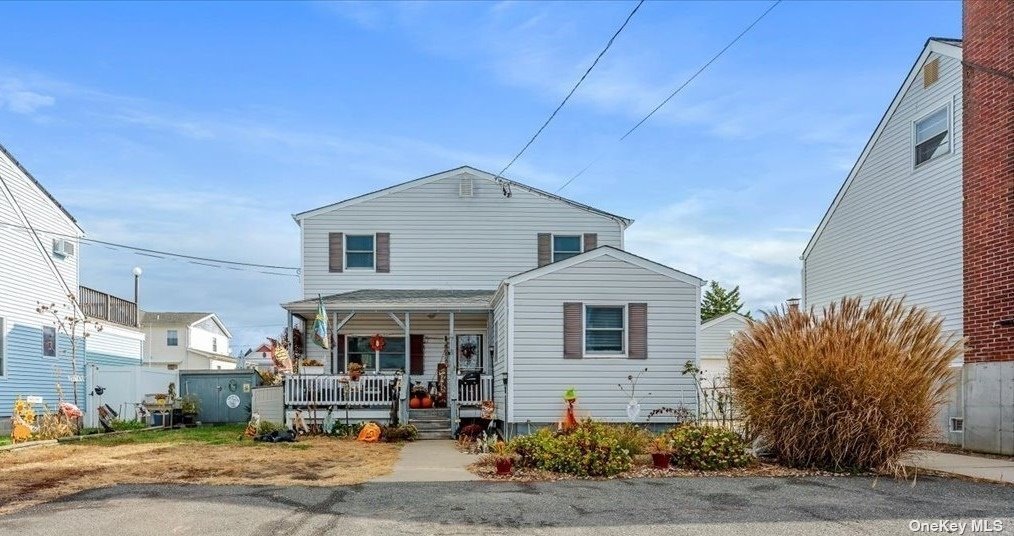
<point x="102" y="306"/>
<point x="337" y="390"/>
<point x="472" y="394"/>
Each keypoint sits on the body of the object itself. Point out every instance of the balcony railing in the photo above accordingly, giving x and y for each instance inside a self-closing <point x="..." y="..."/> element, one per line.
<point x="337" y="390"/>
<point x="472" y="394"/>
<point x="102" y="306"/>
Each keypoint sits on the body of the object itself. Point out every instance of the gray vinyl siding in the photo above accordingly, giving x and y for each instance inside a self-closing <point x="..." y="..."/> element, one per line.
<point x="441" y="240"/>
<point x="716" y="339"/>
<point x="897" y="231"/>
<point x="541" y="374"/>
<point x="26" y="279"/>
<point x="502" y="336"/>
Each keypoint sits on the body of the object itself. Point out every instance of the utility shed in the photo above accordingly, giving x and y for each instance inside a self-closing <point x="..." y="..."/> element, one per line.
<point x="589" y="322"/>
<point x="225" y="395"/>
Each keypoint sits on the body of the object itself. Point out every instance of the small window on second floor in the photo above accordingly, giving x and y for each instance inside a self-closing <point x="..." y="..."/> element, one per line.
<point x="932" y="136"/>
<point x="214" y="344"/>
<point x="172" y="337"/>
<point x="359" y="251"/>
<point x="566" y="246"/>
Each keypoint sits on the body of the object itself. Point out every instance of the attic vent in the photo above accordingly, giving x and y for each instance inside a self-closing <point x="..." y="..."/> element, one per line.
<point x="465" y="187"/>
<point x="62" y="248"/>
<point x="931" y="73"/>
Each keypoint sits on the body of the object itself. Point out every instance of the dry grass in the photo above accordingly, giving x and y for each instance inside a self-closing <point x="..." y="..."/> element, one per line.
<point x="849" y="388"/>
<point x="36" y="475"/>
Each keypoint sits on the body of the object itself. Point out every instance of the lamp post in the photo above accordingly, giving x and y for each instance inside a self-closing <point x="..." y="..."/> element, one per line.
<point x="137" y="283"/>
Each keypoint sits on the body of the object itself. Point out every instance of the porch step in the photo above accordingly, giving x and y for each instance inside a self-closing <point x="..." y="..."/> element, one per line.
<point x="433" y="423"/>
<point x="444" y="413"/>
<point x="435" y="434"/>
<point x="432" y="426"/>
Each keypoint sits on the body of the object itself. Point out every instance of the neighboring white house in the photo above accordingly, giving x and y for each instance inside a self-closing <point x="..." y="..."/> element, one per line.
<point x="716" y="341"/>
<point x="521" y="293"/>
<point x="895" y="226"/>
<point x="39" y="263"/>
<point x="259" y="357"/>
<point x="186" y="341"/>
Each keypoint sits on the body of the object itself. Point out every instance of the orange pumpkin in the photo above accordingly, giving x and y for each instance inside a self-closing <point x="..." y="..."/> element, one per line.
<point x="370" y="433"/>
<point x="414" y="403"/>
<point x="427" y="402"/>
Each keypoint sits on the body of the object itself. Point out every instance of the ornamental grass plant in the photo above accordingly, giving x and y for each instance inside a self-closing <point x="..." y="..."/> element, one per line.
<point x="848" y="388"/>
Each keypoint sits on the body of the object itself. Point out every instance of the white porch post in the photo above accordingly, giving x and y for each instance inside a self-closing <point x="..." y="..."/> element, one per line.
<point x="334" y="343"/>
<point x="292" y="339"/>
<point x="452" y="373"/>
<point x="403" y="403"/>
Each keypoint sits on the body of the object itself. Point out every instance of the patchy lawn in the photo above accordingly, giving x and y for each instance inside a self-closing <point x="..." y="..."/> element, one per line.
<point x="206" y="455"/>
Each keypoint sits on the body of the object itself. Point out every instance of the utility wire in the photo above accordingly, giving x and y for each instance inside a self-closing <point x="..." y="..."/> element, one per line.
<point x="192" y="259"/>
<point x="680" y="88"/>
<point x="572" y="90"/>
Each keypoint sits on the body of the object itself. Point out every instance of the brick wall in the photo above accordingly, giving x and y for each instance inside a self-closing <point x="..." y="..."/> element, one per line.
<point x="988" y="168"/>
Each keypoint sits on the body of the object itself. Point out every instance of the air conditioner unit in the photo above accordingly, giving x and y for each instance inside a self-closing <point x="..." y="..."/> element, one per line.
<point x="62" y="247"/>
<point x="465" y="187"/>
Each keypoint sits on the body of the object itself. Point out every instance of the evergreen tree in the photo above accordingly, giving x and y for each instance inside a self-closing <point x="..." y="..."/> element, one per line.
<point x="718" y="301"/>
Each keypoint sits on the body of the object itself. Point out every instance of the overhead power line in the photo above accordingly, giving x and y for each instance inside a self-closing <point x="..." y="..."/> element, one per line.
<point x="572" y="90"/>
<point x="680" y="88"/>
<point x="158" y="254"/>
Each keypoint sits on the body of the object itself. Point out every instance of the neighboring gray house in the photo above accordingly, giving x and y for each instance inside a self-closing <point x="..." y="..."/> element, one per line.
<point x="716" y="341"/>
<point x="529" y="292"/>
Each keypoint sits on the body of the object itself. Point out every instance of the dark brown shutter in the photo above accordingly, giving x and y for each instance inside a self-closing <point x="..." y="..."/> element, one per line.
<point x="335" y="246"/>
<point x="417" y="349"/>
<point x="383" y="252"/>
<point x="573" y="328"/>
<point x="339" y="353"/>
<point x="591" y="241"/>
<point x="638" y="326"/>
<point x="545" y="249"/>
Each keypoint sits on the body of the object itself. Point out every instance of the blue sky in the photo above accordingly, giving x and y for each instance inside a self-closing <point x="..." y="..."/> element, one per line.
<point x="200" y="127"/>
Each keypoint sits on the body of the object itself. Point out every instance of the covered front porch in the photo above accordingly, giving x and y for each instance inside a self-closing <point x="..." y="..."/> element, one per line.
<point x="407" y="341"/>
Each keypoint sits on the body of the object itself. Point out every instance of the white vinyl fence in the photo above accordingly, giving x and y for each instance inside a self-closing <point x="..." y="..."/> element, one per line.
<point x="125" y="387"/>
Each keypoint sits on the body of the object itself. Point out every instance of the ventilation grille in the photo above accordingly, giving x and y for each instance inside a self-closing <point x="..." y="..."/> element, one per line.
<point x="957" y="424"/>
<point x="465" y="187"/>
<point x="931" y="73"/>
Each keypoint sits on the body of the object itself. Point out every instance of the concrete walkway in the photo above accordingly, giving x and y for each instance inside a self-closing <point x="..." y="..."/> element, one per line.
<point x="962" y="465"/>
<point x="431" y="461"/>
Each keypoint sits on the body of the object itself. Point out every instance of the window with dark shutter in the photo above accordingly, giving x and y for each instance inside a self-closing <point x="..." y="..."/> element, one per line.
<point x="638" y="326"/>
<point x="545" y="251"/>
<point x="335" y="244"/>
<point x="573" y="332"/>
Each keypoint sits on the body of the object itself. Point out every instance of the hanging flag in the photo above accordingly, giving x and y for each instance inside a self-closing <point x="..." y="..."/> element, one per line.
<point x="320" y="334"/>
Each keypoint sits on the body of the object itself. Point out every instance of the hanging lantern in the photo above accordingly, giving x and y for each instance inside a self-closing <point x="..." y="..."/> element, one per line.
<point x="377" y="343"/>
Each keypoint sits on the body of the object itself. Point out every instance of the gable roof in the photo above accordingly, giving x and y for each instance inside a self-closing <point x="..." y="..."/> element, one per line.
<point x="601" y="251"/>
<point x="172" y="318"/>
<point x="939" y="45"/>
<point x="40" y="187"/>
<point x="723" y="318"/>
<point x="626" y="222"/>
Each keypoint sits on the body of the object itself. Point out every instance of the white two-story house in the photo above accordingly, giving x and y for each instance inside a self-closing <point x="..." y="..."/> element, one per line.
<point x="520" y="294"/>
<point x="186" y="341"/>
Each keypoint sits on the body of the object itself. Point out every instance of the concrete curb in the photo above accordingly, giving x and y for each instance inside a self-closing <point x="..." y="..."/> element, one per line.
<point x="27" y="445"/>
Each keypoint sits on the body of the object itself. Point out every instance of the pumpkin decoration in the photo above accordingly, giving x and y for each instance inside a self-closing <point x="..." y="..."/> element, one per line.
<point x="414" y="403"/>
<point x="377" y="343"/>
<point x="426" y="402"/>
<point x="370" y="433"/>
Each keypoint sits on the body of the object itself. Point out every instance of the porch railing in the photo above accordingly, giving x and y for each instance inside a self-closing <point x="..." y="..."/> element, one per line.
<point x="472" y="394"/>
<point x="336" y="390"/>
<point x="102" y="306"/>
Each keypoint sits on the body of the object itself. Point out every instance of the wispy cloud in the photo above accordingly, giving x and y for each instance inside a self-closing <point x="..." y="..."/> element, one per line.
<point x="14" y="97"/>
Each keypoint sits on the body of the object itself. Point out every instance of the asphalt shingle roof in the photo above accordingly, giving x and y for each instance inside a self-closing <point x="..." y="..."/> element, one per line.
<point x="169" y="318"/>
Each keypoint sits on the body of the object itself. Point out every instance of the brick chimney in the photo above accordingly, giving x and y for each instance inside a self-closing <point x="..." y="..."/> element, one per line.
<point x="988" y="168"/>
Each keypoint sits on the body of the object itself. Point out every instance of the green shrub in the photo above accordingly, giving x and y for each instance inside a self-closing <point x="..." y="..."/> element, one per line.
<point x="394" y="434"/>
<point x="121" y="424"/>
<point x="634" y="439"/>
<point x="267" y="427"/>
<point x="707" y="448"/>
<point x="352" y="430"/>
<point x="848" y="388"/>
<point x="593" y="449"/>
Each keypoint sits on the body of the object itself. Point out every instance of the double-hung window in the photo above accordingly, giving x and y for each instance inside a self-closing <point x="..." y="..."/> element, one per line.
<point x="566" y="246"/>
<point x="359" y="251"/>
<point x="391" y="358"/>
<point x="932" y="135"/>
<point x="604" y="329"/>
<point x="172" y="337"/>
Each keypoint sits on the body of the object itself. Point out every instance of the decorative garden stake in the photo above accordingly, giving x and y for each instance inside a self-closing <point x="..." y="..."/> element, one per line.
<point x="633" y="406"/>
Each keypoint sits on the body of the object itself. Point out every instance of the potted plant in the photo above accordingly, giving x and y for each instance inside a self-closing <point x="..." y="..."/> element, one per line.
<point x="311" y="366"/>
<point x="190" y="406"/>
<point x="661" y="452"/>
<point x="503" y="458"/>
<point x="355" y="371"/>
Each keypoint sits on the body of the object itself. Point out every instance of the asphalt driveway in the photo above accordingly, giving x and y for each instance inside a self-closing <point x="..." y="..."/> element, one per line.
<point x="826" y="506"/>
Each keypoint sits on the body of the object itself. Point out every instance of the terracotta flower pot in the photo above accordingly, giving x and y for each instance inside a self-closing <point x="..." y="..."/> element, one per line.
<point x="660" y="460"/>
<point x="354" y="376"/>
<point x="504" y="466"/>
